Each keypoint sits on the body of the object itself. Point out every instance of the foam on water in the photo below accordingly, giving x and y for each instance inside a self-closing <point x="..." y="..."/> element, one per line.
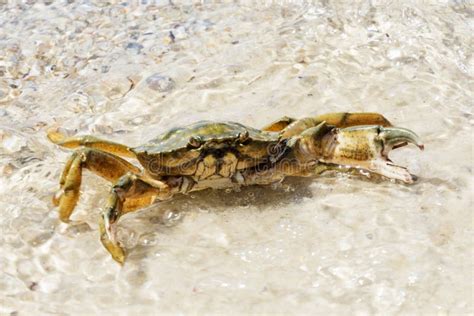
<point x="337" y="244"/>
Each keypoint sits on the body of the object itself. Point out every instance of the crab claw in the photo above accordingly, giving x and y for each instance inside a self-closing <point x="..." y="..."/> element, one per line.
<point x="395" y="137"/>
<point x="367" y="147"/>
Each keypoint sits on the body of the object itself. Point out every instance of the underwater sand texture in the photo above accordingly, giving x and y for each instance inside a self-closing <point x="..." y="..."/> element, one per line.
<point x="333" y="245"/>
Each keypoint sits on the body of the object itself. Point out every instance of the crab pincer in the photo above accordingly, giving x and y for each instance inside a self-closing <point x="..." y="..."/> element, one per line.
<point x="368" y="147"/>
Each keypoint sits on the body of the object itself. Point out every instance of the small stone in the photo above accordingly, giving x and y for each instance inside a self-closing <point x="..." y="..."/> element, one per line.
<point x="179" y="33"/>
<point x="12" y="143"/>
<point x="135" y="47"/>
<point x="33" y="286"/>
<point x="7" y="169"/>
<point x="160" y="83"/>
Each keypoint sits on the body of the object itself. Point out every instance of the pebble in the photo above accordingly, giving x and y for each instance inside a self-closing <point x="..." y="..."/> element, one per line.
<point x="11" y="143"/>
<point x="160" y="83"/>
<point x="134" y="47"/>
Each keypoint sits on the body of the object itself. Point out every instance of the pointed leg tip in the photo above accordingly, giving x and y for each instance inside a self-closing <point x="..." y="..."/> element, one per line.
<point x="54" y="136"/>
<point x="118" y="254"/>
<point x="56" y="199"/>
<point x="120" y="260"/>
<point x="65" y="219"/>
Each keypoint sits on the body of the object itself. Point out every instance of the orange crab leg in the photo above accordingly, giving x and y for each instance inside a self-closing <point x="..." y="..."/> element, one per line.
<point x="131" y="192"/>
<point x="90" y="142"/>
<point x="291" y="127"/>
<point x="104" y="164"/>
<point x="279" y="124"/>
<point x="346" y="119"/>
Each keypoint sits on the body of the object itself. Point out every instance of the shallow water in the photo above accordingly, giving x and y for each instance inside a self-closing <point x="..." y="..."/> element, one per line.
<point x="336" y="244"/>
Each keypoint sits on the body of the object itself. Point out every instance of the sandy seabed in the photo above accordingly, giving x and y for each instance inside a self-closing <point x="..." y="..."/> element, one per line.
<point x="333" y="245"/>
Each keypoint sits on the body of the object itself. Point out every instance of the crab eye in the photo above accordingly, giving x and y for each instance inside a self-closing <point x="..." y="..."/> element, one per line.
<point x="194" y="141"/>
<point x="243" y="136"/>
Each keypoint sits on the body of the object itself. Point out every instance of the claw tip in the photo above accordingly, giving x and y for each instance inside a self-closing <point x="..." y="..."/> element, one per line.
<point x="54" y="136"/>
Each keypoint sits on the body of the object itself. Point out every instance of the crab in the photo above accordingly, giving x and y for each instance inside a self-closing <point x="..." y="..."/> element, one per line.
<point x="217" y="155"/>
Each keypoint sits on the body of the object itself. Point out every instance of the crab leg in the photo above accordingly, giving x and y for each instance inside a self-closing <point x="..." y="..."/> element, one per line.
<point x="131" y="192"/>
<point x="346" y="119"/>
<point x="340" y="120"/>
<point x="104" y="164"/>
<point x="90" y="142"/>
<point x="279" y="125"/>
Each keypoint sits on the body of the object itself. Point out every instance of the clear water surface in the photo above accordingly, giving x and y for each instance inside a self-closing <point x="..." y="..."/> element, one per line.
<point x="336" y="244"/>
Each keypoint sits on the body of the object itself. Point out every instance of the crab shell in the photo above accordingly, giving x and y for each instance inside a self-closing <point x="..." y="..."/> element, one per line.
<point x="209" y="149"/>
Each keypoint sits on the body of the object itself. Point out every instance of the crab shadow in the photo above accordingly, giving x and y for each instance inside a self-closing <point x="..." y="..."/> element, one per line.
<point x="164" y="215"/>
<point x="290" y="191"/>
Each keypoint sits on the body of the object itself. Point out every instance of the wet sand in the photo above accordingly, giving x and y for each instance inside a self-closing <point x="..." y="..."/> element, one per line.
<point x="333" y="245"/>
